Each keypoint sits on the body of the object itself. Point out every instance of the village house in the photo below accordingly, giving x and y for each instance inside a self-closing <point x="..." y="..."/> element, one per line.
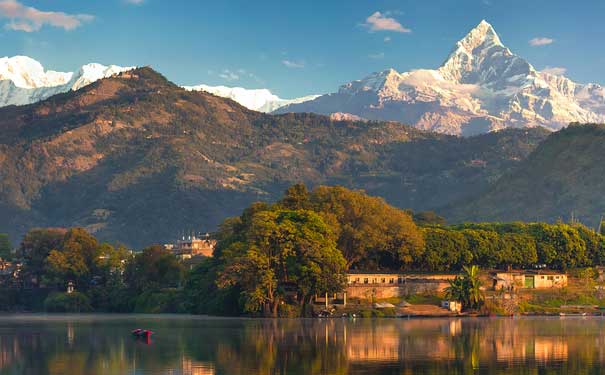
<point x="528" y="279"/>
<point x="192" y="246"/>
<point x="368" y="285"/>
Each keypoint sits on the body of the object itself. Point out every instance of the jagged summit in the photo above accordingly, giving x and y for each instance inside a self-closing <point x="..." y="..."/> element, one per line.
<point x="482" y="86"/>
<point x="480" y="57"/>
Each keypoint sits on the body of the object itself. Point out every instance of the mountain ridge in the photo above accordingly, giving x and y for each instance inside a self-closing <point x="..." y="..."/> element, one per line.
<point x="137" y="159"/>
<point x="481" y="86"/>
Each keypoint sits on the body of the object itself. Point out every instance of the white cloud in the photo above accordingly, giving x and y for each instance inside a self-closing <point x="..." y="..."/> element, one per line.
<point x="382" y="22"/>
<point x="376" y="56"/>
<point x="555" y="70"/>
<point x="540" y="41"/>
<point x="135" y="2"/>
<point x="229" y="75"/>
<point x="293" y="64"/>
<point x="28" y="19"/>
<point x="387" y="39"/>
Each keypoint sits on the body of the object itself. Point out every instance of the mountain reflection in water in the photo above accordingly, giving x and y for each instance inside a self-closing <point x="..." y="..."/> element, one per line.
<point x="102" y="344"/>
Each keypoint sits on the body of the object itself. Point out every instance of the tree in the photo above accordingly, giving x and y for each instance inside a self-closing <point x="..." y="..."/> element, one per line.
<point x="35" y="248"/>
<point x="6" y="250"/>
<point x="483" y="245"/>
<point x="370" y="233"/>
<point x="466" y="288"/>
<point x="444" y="249"/>
<point x="517" y="250"/>
<point x="152" y="269"/>
<point x="296" y="197"/>
<point x="76" y="258"/>
<point x="281" y="251"/>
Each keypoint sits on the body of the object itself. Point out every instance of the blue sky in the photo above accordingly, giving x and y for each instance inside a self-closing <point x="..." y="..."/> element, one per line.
<point x="292" y="47"/>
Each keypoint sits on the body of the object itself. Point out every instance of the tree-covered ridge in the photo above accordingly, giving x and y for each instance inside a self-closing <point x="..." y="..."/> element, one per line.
<point x="561" y="179"/>
<point x="273" y="258"/>
<point x="135" y="158"/>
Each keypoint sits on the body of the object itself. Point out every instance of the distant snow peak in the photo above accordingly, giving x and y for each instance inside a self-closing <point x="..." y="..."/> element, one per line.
<point x="482" y="86"/>
<point x="23" y="80"/>
<point x="261" y="100"/>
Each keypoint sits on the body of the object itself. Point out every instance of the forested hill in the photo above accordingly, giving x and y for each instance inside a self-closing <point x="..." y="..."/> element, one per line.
<point x="135" y="158"/>
<point x="564" y="176"/>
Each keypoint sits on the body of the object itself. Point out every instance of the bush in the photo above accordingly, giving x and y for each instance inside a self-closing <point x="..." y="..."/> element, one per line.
<point x="288" y="311"/>
<point x="67" y="302"/>
<point x="161" y="301"/>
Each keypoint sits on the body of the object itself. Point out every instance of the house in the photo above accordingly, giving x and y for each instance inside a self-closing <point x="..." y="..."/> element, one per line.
<point x="528" y="279"/>
<point x="193" y="246"/>
<point x="376" y="285"/>
<point x="453" y="306"/>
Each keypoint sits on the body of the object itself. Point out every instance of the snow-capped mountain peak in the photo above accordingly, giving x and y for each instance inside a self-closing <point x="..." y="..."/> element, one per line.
<point x="480" y="57"/>
<point x="261" y="100"/>
<point x="481" y="86"/>
<point x="24" y="80"/>
<point x="28" y="73"/>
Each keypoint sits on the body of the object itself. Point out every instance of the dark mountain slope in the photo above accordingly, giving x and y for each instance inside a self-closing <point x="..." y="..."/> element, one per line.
<point x="137" y="159"/>
<point x="565" y="175"/>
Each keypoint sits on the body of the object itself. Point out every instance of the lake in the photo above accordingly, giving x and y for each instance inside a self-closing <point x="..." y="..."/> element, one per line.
<point x="102" y="344"/>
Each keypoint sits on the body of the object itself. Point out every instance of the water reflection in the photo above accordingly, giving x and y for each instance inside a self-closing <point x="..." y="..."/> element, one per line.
<point x="201" y="346"/>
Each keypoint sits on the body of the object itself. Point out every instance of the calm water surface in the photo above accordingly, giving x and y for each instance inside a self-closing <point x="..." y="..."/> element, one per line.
<point x="101" y="344"/>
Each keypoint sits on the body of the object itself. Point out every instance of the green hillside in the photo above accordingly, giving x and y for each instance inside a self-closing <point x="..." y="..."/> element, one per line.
<point x="137" y="159"/>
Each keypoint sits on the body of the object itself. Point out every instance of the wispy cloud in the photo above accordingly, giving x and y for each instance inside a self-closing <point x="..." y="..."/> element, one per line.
<point x="387" y="39"/>
<point x="293" y="64"/>
<point x="29" y="19"/>
<point x="235" y="75"/>
<point x="229" y="75"/>
<point x="135" y="2"/>
<point x="382" y="22"/>
<point x="376" y="56"/>
<point x="540" y="41"/>
<point x="555" y="70"/>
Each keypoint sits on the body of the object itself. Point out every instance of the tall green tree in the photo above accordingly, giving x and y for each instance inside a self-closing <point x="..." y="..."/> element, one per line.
<point x="152" y="269"/>
<point x="368" y="230"/>
<point x="35" y="248"/>
<point x="444" y="250"/>
<point x="283" y="251"/>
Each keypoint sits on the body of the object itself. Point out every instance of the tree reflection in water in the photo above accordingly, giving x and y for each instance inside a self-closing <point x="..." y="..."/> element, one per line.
<point x="203" y="346"/>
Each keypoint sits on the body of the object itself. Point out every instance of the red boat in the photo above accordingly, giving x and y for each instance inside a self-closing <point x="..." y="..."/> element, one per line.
<point x="144" y="333"/>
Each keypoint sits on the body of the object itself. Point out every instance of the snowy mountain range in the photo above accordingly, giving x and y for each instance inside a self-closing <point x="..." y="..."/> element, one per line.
<point x="261" y="100"/>
<point x="481" y="86"/>
<point x="23" y="80"/>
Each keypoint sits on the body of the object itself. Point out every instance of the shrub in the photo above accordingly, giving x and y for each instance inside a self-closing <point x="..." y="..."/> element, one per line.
<point x="67" y="302"/>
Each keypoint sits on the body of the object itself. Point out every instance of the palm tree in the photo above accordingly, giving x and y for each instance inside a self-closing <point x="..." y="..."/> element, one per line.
<point x="466" y="288"/>
<point x="475" y="295"/>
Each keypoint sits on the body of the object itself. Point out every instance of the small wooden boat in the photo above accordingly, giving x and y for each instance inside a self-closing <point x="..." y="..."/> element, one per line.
<point x="572" y="314"/>
<point x="144" y="333"/>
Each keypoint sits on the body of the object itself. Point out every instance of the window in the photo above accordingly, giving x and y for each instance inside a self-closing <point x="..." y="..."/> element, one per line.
<point x="543" y="277"/>
<point x="391" y="281"/>
<point x="384" y="280"/>
<point x="399" y="280"/>
<point x="550" y="278"/>
<point x="357" y="280"/>
<point x="365" y="281"/>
